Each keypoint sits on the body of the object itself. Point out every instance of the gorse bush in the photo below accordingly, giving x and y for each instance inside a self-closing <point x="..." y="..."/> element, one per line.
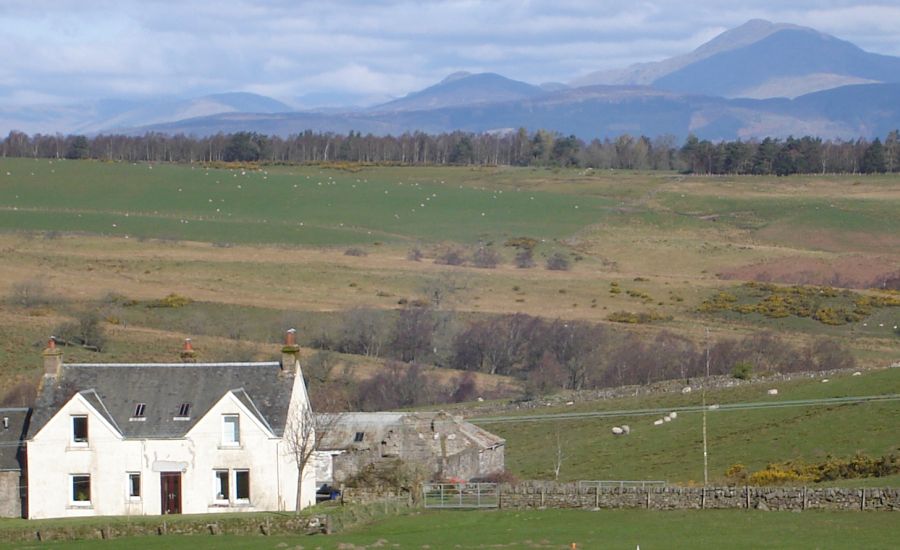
<point x="858" y="466"/>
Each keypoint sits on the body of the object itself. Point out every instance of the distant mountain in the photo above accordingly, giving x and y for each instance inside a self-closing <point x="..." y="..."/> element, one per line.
<point x="112" y="114"/>
<point x="791" y="55"/>
<point x="599" y="112"/>
<point x="761" y="60"/>
<point x="644" y="74"/>
<point x="172" y="110"/>
<point x="463" y="88"/>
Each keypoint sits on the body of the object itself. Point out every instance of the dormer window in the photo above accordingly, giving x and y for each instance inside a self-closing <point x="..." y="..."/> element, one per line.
<point x="184" y="412"/>
<point x="359" y="437"/>
<point x="139" y="410"/>
<point x="80" y="430"/>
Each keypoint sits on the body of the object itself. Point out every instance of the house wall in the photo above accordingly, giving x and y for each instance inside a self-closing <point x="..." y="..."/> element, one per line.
<point x="10" y="496"/>
<point x="52" y="458"/>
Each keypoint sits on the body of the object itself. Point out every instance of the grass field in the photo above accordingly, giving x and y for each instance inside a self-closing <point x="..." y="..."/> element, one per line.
<point x="673" y="451"/>
<point x="560" y="529"/>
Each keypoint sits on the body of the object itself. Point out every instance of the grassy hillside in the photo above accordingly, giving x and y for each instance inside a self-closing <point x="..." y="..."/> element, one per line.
<point x="256" y="249"/>
<point x="673" y="451"/>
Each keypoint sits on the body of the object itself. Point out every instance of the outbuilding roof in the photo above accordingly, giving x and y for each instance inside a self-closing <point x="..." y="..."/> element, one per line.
<point x="13" y="424"/>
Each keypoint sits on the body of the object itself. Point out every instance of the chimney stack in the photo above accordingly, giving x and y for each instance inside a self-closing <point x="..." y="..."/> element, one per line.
<point x="188" y="355"/>
<point x="53" y="359"/>
<point x="290" y="350"/>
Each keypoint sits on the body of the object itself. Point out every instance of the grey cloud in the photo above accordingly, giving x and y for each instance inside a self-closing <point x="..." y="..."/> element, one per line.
<point x="370" y="49"/>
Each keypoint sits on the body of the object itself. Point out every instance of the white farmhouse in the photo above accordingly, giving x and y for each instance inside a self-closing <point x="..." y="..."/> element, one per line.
<point x="166" y="438"/>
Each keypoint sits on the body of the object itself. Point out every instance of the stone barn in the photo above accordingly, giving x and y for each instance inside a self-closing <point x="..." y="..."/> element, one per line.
<point x="448" y="446"/>
<point x="13" y="424"/>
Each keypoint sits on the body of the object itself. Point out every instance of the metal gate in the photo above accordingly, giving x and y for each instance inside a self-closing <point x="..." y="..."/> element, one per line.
<point x="461" y="495"/>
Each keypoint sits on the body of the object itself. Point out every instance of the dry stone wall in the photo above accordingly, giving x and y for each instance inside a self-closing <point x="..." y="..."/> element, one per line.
<point x="538" y="494"/>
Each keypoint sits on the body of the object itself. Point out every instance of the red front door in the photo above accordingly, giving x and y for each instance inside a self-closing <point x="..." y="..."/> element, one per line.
<point x="170" y="485"/>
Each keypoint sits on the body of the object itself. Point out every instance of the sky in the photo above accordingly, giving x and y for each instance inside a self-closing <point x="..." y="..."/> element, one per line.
<point x="335" y="53"/>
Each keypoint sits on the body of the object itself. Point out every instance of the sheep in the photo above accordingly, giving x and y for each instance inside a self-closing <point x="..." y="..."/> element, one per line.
<point x="617" y="430"/>
<point x="658" y="422"/>
<point x="857" y="373"/>
<point x="667" y="418"/>
<point x="686" y="389"/>
<point x="773" y="391"/>
<point x="674" y="415"/>
<point x="626" y="429"/>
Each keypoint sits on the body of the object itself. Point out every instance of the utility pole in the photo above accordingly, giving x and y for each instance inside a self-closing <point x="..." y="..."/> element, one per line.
<point x="703" y="399"/>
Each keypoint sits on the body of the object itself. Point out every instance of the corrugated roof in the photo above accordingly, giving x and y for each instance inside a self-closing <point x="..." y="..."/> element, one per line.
<point x="163" y="388"/>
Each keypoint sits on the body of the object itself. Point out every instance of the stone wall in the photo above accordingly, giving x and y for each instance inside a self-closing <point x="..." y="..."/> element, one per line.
<point x="10" y="494"/>
<point x="538" y="494"/>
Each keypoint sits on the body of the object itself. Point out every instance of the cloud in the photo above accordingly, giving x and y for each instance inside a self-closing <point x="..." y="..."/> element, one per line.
<point x="369" y="48"/>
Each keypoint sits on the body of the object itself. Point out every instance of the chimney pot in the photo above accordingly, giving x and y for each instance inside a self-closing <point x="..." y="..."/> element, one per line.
<point x="188" y="355"/>
<point x="290" y="350"/>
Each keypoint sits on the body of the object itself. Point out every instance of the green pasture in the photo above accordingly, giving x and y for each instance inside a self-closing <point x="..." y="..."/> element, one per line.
<point x="303" y="205"/>
<point x="560" y="529"/>
<point x="673" y="451"/>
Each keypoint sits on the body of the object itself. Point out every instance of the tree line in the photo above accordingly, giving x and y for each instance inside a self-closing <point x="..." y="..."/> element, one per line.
<point x="770" y="156"/>
<point x="546" y="355"/>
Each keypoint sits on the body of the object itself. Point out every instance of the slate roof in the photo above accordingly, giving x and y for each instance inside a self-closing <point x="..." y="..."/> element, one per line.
<point x="376" y="424"/>
<point x="115" y="390"/>
<point x="11" y="449"/>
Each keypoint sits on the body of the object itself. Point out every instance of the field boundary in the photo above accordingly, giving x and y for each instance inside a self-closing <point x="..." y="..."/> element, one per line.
<point x="542" y="494"/>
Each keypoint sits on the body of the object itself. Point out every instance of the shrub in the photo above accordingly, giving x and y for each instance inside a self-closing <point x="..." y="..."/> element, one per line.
<point x="558" y="262"/>
<point x="85" y="331"/>
<point x="30" y="293"/>
<point x="742" y="370"/>
<point x="414" y="254"/>
<point x="172" y="300"/>
<point x="485" y="257"/>
<point x="355" y="251"/>
<point x="451" y="256"/>
<point x="523" y="243"/>
<point x="525" y="259"/>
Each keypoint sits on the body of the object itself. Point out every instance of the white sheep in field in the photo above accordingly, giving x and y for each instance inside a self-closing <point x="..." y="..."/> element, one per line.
<point x="658" y="422"/>
<point x="773" y="391"/>
<point x="617" y="430"/>
<point x="673" y="415"/>
<point x="686" y="389"/>
<point x="626" y="429"/>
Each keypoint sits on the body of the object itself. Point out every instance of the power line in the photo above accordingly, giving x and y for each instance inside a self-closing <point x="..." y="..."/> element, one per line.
<point x="688" y="409"/>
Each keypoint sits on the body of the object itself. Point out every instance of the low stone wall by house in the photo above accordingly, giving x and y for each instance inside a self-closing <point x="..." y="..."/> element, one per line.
<point x="118" y="527"/>
<point x="538" y="494"/>
<point x="10" y="494"/>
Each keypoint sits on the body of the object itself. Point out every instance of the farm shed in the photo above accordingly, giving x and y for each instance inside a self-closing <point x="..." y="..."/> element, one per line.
<point x="447" y="445"/>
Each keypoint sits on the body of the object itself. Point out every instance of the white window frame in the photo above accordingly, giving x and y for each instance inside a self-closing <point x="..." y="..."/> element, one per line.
<point x="226" y="497"/>
<point x="78" y="442"/>
<point x="232" y="439"/>
<point x="80" y="503"/>
<point x="129" y="486"/>
<point x="234" y="475"/>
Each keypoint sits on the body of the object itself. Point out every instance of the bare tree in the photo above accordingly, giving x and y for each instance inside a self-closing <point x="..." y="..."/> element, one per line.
<point x="560" y="453"/>
<point x="303" y="435"/>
